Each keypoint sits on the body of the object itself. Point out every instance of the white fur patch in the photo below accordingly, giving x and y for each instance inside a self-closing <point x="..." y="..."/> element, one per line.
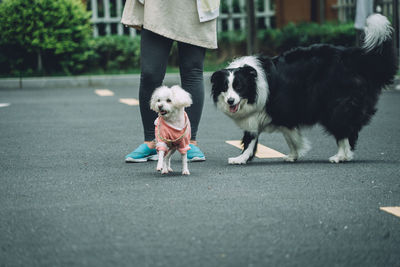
<point x="231" y="93"/>
<point x="298" y="144"/>
<point x="344" y="152"/>
<point x="377" y="31"/>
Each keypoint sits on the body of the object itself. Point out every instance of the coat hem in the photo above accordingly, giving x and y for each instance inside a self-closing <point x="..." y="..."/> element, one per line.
<point x="178" y="38"/>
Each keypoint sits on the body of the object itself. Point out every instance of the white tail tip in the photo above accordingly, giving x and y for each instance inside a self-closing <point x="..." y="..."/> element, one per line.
<point x="377" y="31"/>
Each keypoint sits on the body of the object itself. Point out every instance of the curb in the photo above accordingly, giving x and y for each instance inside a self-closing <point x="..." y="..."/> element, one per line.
<point x="99" y="81"/>
<point x="82" y="81"/>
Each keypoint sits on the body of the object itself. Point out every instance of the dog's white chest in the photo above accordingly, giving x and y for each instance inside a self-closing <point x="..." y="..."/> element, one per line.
<point x="254" y="123"/>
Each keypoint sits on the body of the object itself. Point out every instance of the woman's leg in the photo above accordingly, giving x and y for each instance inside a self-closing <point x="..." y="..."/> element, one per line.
<point x="154" y="53"/>
<point x="191" y="60"/>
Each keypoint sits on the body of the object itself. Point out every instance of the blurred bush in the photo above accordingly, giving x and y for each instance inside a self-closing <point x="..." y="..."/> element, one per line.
<point x="114" y="53"/>
<point x="44" y="36"/>
<point x="274" y="41"/>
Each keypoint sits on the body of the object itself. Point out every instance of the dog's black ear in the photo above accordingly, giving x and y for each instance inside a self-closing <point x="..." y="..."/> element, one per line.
<point x="217" y="76"/>
<point x="249" y="70"/>
<point x="217" y="81"/>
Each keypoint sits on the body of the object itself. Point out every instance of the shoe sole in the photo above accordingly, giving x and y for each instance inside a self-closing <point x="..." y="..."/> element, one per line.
<point x="197" y="159"/>
<point x="149" y="158"/>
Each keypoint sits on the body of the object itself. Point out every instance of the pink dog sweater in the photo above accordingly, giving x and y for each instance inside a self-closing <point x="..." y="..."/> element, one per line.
<point x="168" y="136"/>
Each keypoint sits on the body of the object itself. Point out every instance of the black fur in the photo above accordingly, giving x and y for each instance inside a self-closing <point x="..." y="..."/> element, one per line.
<point x="334" y="86"/>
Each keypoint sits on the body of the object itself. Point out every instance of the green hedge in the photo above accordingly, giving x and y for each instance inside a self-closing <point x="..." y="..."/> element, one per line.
<point x="114" y="53"/>
<point x="304" y="34"/>
<point x="44" y="36"/>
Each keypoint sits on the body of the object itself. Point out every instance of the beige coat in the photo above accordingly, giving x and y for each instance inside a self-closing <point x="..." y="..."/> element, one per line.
<point x="175" y="19"/>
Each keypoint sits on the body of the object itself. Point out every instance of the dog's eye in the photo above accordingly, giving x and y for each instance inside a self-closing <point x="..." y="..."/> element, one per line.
<point x="158" y="100"/>
<point x="169" y="100"/>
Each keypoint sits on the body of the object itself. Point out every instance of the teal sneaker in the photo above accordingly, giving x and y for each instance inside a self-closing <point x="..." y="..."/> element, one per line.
<point x="195" y="154"/>
<point x="142" y="154"/>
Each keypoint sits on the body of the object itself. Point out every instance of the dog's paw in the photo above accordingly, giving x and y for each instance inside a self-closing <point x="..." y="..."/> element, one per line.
<point x="164" y="171"/>
<point x="237" y="160"/>
<point x="159" y="166"/>
<point x="336" y="158"/>
<point x="185" y="172"/>
<point x="341" y="158"/>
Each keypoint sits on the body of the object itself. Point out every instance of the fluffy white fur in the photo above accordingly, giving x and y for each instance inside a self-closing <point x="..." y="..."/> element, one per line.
<point x="377" y="31"/>
<point x="170" y="103"/>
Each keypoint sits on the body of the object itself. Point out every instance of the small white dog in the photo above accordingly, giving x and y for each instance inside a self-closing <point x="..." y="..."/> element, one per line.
<point x="172" y="127"/>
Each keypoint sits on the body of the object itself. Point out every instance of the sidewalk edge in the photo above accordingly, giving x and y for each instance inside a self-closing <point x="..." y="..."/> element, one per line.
<point x="79" y="81"/>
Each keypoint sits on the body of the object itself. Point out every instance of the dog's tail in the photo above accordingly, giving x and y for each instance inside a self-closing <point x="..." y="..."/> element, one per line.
<point x="378" y="44"/>
<point x="377" y="32"/>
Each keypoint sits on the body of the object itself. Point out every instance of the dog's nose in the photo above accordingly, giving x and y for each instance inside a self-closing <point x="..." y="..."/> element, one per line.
<point x="231" y="100"/>
<point x="160" y="106"/>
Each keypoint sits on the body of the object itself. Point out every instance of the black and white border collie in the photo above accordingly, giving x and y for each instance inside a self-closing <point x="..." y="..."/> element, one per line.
<point x="335" y="86"/>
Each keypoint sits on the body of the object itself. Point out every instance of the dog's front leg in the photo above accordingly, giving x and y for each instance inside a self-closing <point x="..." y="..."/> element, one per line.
<point x="249" y="141"/>
<point x="167" y="162"/>
<point x="160" y="160"/>
<point x="185" y="169"/>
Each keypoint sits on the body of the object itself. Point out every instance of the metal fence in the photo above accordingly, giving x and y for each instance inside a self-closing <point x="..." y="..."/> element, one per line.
<point x="347" y="8"/>
<point x="106" y="16"/>
<point x="233" y="14"/>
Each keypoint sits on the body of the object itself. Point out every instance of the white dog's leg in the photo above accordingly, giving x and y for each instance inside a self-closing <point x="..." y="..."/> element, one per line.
<point x="344" y="152"/>
<point x="167" y="162"/>
<point x="160" y="160"/>
<point x="250" y="141"/>
<point x="298" y="144"/>
<point x="185" y="169"/>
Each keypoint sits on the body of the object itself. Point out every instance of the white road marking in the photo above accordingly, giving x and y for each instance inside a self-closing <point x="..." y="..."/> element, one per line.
<point x="263" y="152"/>
<point x="104" y="92"/>
<point x="3" y="105"/>
<point x="392" y="210"/>
<point x="129" y="101"/>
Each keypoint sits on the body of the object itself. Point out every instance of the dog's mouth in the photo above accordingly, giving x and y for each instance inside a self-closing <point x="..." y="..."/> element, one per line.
<point x="234" y="108"/>
<point x="163" y="112"/>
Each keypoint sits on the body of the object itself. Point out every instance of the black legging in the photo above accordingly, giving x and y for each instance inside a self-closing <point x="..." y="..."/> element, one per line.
<point x="154" y="55"/>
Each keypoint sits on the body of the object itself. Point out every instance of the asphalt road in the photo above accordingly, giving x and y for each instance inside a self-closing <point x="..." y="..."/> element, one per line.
<point x="67" y="198"/>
